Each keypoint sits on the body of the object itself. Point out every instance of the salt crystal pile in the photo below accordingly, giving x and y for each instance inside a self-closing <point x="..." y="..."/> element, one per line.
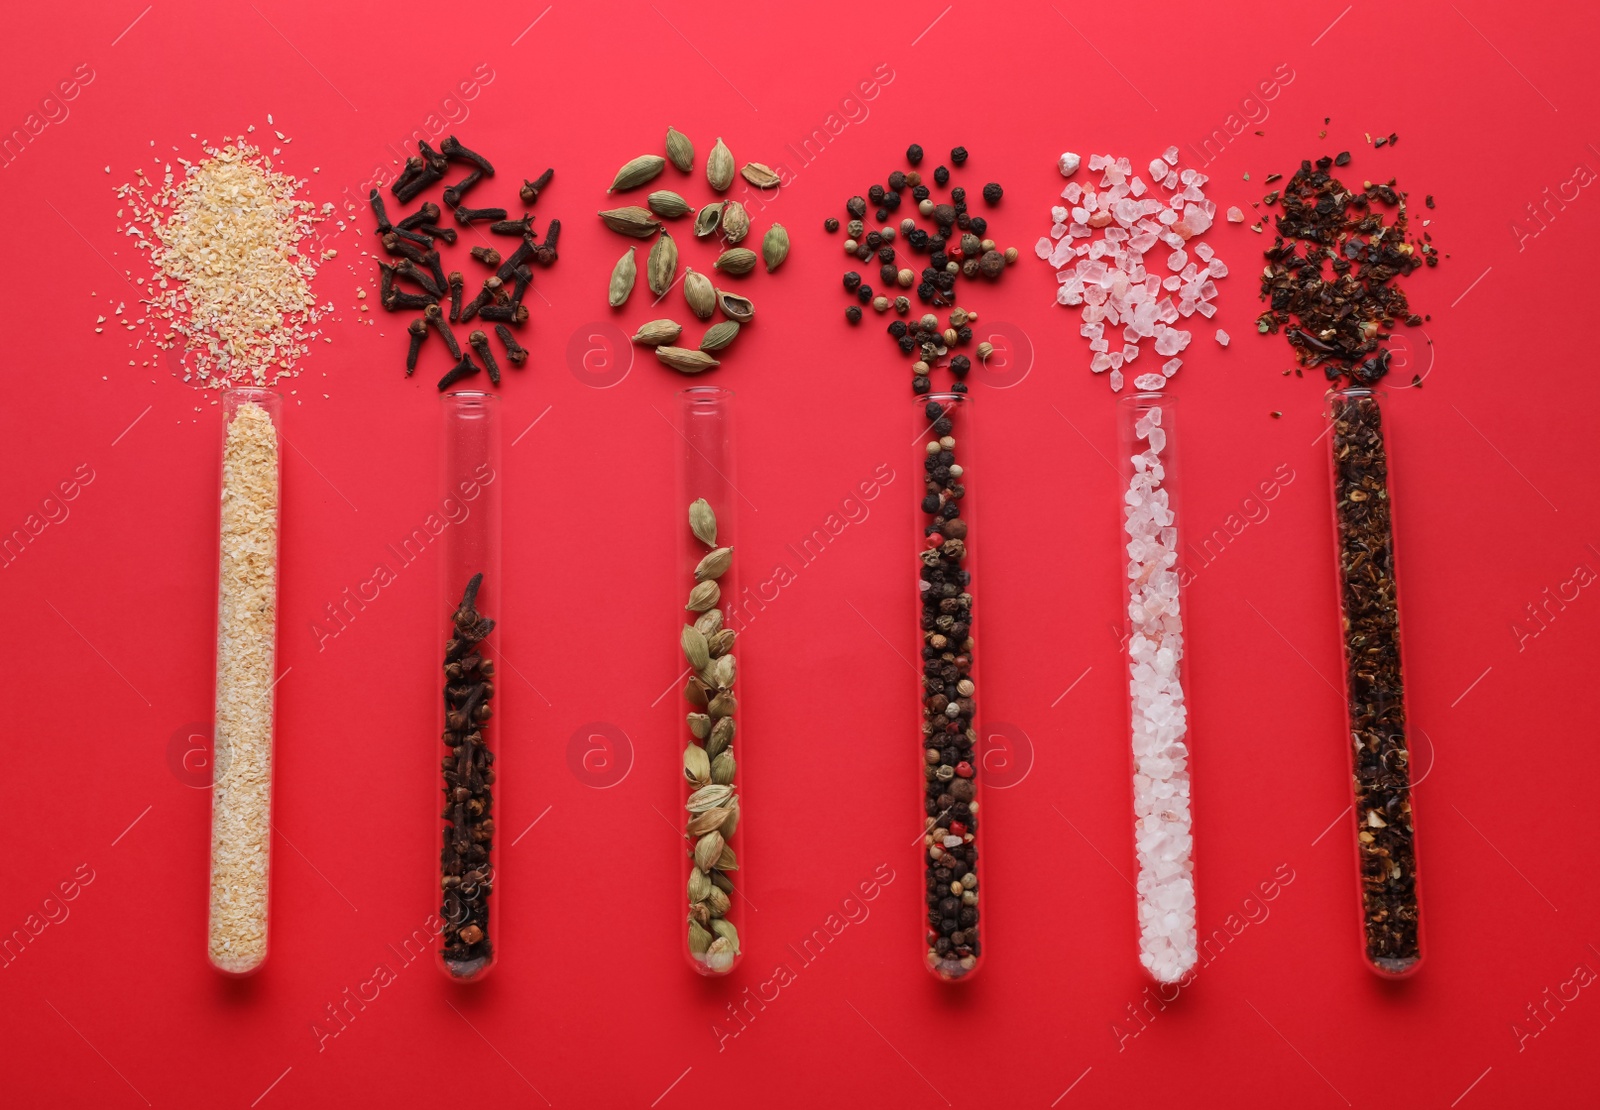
<point x="1167" y="936"/>
<point x="1098" y="244"/>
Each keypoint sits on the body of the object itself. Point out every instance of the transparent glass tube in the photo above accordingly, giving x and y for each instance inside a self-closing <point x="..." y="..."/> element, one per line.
<point x="247" y="642"/>
<point x="470" y="601"/>
<point x="706" y="520"/>
<point x="712" y="624"/>
<point x="947" y="690"/>
<point x="1158" y="721"/>
<point x="1369" y="605"/>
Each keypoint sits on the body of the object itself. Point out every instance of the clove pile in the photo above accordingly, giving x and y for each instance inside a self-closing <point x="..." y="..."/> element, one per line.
<point x="417" y="280"/>
<point x="466" y="876"/>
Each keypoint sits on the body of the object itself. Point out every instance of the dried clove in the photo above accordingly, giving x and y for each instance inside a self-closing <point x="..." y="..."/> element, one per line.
<point x="464" y="368"/>
<point x="514" y="350"/>
<point x="466" y="880"/>
<point x="487" y="255"/>
<point x="485" y="297"/>
<point x="457" y="285"/>
<point x="409" y="269"/>
<point x="419" y="331"/>
<point x="397" y="299"/>
<point x="454" y="193"/>
<point x="531" y="189"/>
<point x="422" y="170"/>
<point x="397" y="242"/>
<point x="435" y="316"/>
<point x="480" y="343"/>
<point x="507" y="313"/>
<point x="545" y="253"/>
<point x="431" y="260"/>
<point x="521" y="255"/>
<point x="384" y="226"/>
<point x="524" y="278"/>
<point x="427" y="214"/>
<point x="520" y="227"/>
<point x="452" y="148"/>
<point x="466" y="216"/>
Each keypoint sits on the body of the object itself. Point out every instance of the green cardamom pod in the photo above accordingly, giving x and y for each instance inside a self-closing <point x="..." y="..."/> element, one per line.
<point x="700" y="912"/>
<point x="735" y="307"/>
<point x="727" y="861"/>
<point x="714" y="565"/>
<point x="724" y="929"/>
<point x="697" y="765"/>
<point x="720" y="335"/>
<point x="664" y="202"/>
<point x="694" y="647"/>
<point x="701" y="599"/>
<point x="719" y="166"/>
<point x="721" y="955"/>
<point x="661" y="268"/>
<point x="760" y="175"/>
<point x="739" y="260"/>
<point x="709" y="219"/>
<point x="699" y="938"/>
<point x="735" y="222"/>
<point x="717" y="904"/>
<point x="680" y="149"/>
<point x="631" y="220"/>
<point x="697" y="693"/>
<point x="690" y="362"/>
<point x="722" y="769"/>
<point x="657" y="332"/>
<point x="709" y="623"/>
<point x="725" y="668"/>
<point x="728" y="826"/>
<point x="723" y="704"/>
<point x="775" y="246"/>
<point x="721" y="736"/>
<point x="709" y="821"/>
<point x="708" y="797"/>
<point x="702" y="521"/>
<point x="700" y="890"/>
<point x="699" y="725"/>
<point x="700" y="294"/>
<point x="721" y="641"/>
<point x="722" y="882"/>
<point x="622" y="278"/>
<point x="706" y="851"/>
<point x="646" y="167"/>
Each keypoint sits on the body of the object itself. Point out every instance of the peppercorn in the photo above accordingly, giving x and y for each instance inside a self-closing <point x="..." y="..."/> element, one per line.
<point x="941" y="176"/>
<point x="856" y="206"/>
<point x="960" y="365"/>
<point x="930" y="503"/>
<point x="940" y="260"/>
<point x="959" y="155"/>
<point x="943" y="427"/>
<point x="926" y="291"/>
<point x="944" y="214"/>
<point x="992" y="193"/>
<point x="918" y="239"/>
<point x="897" y="329"/>
<point x="888" y="273"/>
<point x="920" y="193"/>
<point x="885" y="254"/>
<point x="914" y="154"/>
<point x="920" y="385"/>
<point x="993" y="263"/>
<point x="963" y="335"/>
<point x="851" y="280"/>
<point x="864" y="294"/>
<point x="875" y="194"/>
<point x="963" y="221"/>
<point x="855" y="229"/>
<point x="853" y="314"/>
<point x="907" y="344"/>
<point x="891" y="201"/>
<point x="830" y="225"/>
<point x="881" y="214"/>
<point x="958" y="195"/>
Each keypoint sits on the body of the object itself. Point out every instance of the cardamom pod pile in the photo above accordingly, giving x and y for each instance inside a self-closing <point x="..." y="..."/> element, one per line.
<point x="723" y="223"/>
<point x="708" y="760"/>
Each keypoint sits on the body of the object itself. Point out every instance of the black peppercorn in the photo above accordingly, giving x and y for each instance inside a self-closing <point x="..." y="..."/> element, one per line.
<point x="963" y="335"/>
<point x="907" y="344"/>
<point x="959" y="387"/>
<point x="874" y="239"/>
<point x="979" y="225"/>
<point x="944" y="426"/>
<point x="992" y="193"/>
<point x="856" y="206"/>
<point x="926" y="291"/>
<point x="891" y="201"/>
<point x="958" y="195"/>
<point x="918" y="239"/>
<point x="853" y="314"/>
<point x="930" y="503"/>
<point x="887" y="273"/>
<point x="936" y="243"/>
<point x="920" y="193"/>
<point x="933" y="410"/>
<point x="897" y="328"/>
<point x="864" y="294"/>
<point x="863" y="252"/>
<point x="941" y="176"/>
<point x="914" y="154"/>
<point x="875" y="194"/>
<point x="959" y="155"/>
<point x="885" y="254"/>
<point x="940" y="260"/>
<point x="851" y="280"/>
<point x="920" y="385"/>
<point x="881" y="215"/>
<point x="830" y="224"/>
<point x="945" y="214"/>
<point x="897" y="180"/>
<point x="960" y="365"/>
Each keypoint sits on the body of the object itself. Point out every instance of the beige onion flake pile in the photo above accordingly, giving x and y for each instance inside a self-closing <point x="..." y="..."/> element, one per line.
<point x="231" y="285"/>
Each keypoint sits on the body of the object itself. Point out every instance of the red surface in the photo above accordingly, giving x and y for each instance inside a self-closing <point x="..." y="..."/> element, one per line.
<point x="109" y="660"/>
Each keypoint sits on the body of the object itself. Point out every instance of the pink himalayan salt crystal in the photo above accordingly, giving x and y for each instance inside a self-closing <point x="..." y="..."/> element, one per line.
<point x="1235" y="216"/>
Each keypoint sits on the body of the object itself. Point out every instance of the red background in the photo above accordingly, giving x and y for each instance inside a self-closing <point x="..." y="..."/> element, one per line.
<point x="109" y="660"/>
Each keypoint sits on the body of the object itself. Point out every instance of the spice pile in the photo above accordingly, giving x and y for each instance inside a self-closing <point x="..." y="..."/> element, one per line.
<point x="1374" y="685"/>
<point x="708" y="760"/>
<point x="1108" y="275"/>
<point x="728" y="221"/>
<point x="466" y="875"/>
<point x="955" y="244"/>
<point x="411" y="240"/>
<point x="1168" y="941"/>
<point x="231" y="286"/>
<point x="247" y="622"/>
<point x="949" y="732"/>
<point x="1330" y="271"/>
